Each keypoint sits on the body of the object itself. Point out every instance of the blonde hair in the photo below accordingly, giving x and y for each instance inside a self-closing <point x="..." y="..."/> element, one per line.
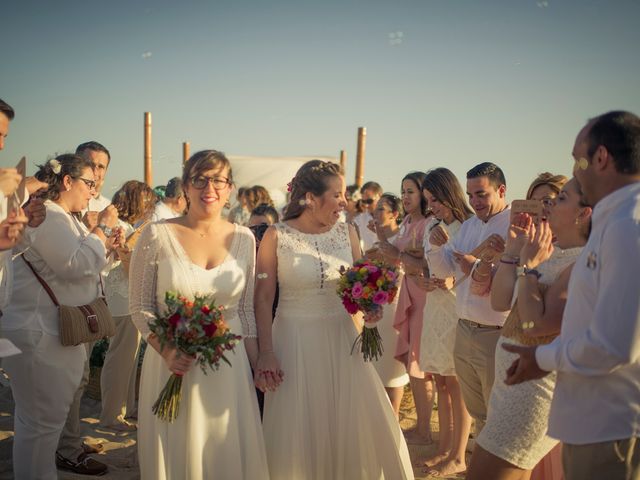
<point x="554" y="182"/>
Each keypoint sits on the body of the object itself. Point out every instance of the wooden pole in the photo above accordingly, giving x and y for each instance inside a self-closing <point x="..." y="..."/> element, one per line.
<point x="185" y="152"/>
<point x="148" y="174"/>
<point x="362" y="141"/>
<point x="343" y="162"/>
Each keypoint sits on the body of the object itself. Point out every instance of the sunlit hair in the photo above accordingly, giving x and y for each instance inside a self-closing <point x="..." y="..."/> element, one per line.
<point x="134" y="201"/>
<point x="417" y="178"/>
<point x="394" y="203"/>
<point x="69" y="164"/>
<point x="265" y="210"/>
<point x="257" y="195"/>
<point x="554" y="182"/>
<point x="202" y="162"/>
<point x="446" y="189"/>
<point x="312" y="177"/>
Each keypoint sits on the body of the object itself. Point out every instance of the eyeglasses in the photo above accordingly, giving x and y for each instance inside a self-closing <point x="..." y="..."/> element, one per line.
<point x="89" y="183"/>
<point x="367" y="201"/>
<point x="200" y="182"/>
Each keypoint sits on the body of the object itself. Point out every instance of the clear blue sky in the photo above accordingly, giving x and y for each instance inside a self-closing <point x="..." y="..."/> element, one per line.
<point x="436" y="82"/>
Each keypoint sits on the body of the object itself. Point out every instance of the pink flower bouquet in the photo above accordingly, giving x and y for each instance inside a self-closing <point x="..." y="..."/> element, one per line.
<point x="366" y="287"/>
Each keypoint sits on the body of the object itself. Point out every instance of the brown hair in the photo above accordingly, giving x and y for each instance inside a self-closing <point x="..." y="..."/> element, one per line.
<point x="134" y="201"/>
<point x="70" y="164"/>
<point x="312" y="177"/>
<point x="202" y="161"/>
<point x="257" y="195"/>
<point x="554" y="182"/>
<point x="445" y="187"/>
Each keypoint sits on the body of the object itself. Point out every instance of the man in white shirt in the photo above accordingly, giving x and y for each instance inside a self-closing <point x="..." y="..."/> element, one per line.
<point x="370" y="194"/>
<point x="479" y="325"/>
<point x="595" y="410"/>
<point x="174" y="202"/>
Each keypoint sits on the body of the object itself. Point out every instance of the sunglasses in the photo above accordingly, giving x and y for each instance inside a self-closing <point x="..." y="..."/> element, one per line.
<point x="367" y="201"/>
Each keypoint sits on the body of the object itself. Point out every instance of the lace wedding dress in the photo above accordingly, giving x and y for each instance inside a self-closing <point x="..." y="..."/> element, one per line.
<point x="330" y="418"/>
<point x="217" y="434"/>
<point x="518" y="415"/>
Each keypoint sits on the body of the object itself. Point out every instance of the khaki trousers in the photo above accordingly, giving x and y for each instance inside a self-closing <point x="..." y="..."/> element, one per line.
<point x="616" y="460"/>
<point x="474" y="357"/>
<point x="118" y="378"/>
<point x="70" y="445"/>
<point x="44" y="378"/>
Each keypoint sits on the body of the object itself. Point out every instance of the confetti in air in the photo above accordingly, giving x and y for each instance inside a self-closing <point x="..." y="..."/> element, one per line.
<point x="395" y="38"/>
<point x="146" y="55"/>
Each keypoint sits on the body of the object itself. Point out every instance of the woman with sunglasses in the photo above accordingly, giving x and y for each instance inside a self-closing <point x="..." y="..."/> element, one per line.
<point x="217" y="433"/>
<point x="46" y="375"/>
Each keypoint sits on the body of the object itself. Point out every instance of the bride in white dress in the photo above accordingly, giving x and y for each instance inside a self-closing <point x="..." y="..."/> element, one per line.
<point x="217" y="434"/>
<point x="329" y="416"/>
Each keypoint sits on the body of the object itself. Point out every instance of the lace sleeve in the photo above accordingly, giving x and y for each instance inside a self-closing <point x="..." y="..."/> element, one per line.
<point x="143" y="278"/>
<point x="247" y="252"/>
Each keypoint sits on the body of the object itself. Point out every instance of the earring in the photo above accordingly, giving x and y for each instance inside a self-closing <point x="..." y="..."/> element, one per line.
<point x="577" y="222"/>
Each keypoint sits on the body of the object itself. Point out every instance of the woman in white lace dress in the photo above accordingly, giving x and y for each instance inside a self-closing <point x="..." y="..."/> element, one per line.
<point x="537" y="272"/>
<point x="447" y="202"/>
<point x="329" y="417"/>
<point x="217" y="432"/>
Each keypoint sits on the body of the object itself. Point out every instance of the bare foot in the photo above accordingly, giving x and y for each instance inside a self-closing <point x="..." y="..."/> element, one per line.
<point x="433" y="460"/>
<point x="449" y="467"/>
<point x="414" y="437"/>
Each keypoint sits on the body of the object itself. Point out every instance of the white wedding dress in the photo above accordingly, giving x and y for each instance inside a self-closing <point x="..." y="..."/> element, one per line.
<point x="217" y="434"/>
<point x="330" y="418"/>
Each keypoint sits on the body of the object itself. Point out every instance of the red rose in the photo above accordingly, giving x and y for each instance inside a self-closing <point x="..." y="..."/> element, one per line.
<point x="373" y="277"/>
<point x="205" y="309"/>
<point x="210" y="329"/>
<point x="350" y="306"/>
<point x="174" y="319"/>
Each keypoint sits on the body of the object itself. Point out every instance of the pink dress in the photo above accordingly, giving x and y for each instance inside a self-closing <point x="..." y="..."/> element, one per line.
<point x="550" y="467"/>
<point x="411" y="301"/>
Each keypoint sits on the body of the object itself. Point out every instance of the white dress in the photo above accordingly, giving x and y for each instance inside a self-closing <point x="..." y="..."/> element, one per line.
<point x="518" y="415"/>
<point x="391" y="371"/>
<point x="330" y="418"/>
<point x="217" y="434"/>
<point x="440" y="320"/>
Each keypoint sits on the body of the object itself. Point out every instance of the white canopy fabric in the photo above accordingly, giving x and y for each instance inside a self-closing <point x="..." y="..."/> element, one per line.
<point x="273" y="173"/>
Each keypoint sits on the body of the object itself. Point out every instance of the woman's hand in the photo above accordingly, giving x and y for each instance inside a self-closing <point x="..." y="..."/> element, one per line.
<point x="539" y="246"/>
<point x="438" y="236"/>
<point x="108" y="216"/>
<point x="518" y="233"/>
<point x="429" y="284"/>
<point x="11" y="229"/>
<point x="268" y="375"/>
<point x="178" y="362"/>
<point x="389" y="250"/>
<point x="116" y="241"/>
<point x="9" y="181"/>
<point x="35" y="211"/>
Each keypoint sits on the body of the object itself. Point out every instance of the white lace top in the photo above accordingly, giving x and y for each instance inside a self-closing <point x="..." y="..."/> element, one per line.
<point x="160" y="264"/>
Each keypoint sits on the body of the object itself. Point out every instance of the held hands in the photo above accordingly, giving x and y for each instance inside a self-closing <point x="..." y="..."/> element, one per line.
<point x="11" y="229"/>
<point x="178" y="362"/>
<point x="539" y="245"/>
<point x="116" y="241"/>
<point x="9" y="181"/>
<point x="524" y="368"/>
<point x="35" y="211"/>
<point x="268" y="375"/>
<point x="108" y="216"/>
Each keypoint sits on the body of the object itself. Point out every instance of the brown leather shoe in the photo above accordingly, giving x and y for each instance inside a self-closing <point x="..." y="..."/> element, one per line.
<point x="84" y="466"/>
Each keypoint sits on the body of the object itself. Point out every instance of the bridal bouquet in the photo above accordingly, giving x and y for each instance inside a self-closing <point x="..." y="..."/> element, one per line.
<point x="196" y="328"/>
<point x="366" y="287"/>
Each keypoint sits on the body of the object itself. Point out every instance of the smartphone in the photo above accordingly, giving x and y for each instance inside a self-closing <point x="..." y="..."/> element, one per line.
<point x="532" y="207"/>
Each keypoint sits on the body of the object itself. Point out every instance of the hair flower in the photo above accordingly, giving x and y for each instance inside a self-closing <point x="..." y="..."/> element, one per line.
<point x="55" y="166"/>
<point x="290" y="185"/>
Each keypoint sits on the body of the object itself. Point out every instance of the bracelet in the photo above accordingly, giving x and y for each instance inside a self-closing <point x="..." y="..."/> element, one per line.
<point x="509" y="262"/>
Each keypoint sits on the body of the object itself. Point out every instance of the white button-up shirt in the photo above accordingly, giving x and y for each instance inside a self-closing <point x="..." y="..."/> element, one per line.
<point x="441" y="263"/>
<point x="367" y="237"/>
<point x="597" y="355"/>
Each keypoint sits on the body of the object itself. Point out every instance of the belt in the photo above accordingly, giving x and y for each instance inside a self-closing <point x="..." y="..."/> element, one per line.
<point x="479" y="325"/>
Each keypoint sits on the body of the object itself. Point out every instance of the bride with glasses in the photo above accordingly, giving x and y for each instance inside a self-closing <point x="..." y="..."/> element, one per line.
<point x="217" y="433"/>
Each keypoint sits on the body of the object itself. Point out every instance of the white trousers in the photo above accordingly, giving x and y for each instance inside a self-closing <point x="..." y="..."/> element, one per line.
<point x="118" y="378"/>
<point x="44" y="379"/>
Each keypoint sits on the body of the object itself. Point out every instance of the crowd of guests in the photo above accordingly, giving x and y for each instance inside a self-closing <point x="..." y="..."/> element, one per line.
<point x="523" y="324"/>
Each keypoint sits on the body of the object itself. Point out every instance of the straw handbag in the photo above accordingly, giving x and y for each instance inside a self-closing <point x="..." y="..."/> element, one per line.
<point x="82" y="323"/>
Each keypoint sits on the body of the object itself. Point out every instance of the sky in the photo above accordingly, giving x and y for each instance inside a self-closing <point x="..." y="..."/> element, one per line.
<point x="436" y="83"/>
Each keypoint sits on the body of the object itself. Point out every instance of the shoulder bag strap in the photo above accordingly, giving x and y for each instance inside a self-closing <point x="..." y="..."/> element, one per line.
<point x="43" y="283"/>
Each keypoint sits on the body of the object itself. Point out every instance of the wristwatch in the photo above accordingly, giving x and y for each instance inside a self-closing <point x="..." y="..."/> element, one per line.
<point x="523" y="270"/>
<point x="106" y="230"/>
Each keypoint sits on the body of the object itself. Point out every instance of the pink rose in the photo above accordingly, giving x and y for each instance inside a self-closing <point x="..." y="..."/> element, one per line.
<point x="381" y="298"/>
<point x="356" y="291"/>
